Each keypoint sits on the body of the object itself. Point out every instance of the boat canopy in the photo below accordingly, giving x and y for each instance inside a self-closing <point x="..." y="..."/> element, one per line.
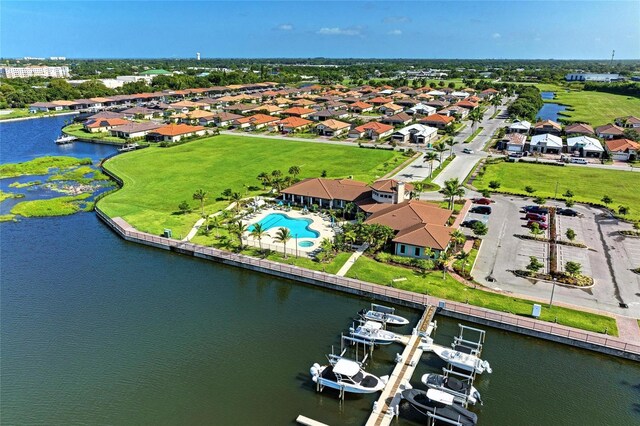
<point x="345" y="367"/>
<point x="439" y="396"/>
<point x="372" y="325"/>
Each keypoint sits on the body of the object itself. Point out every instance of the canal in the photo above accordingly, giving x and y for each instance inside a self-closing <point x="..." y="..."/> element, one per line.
<point x="94" y="329"/>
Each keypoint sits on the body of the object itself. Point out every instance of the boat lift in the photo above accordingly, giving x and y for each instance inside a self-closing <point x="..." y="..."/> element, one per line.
<point x="467" y="378"/>
<point x="471" y="347"/>
<point x="333" y="358"/>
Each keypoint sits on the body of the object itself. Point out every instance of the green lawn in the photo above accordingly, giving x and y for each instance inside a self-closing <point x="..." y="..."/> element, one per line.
<point x="588" y="184"/>
<point x="432" y="284"/>
<point x="24" y="112"/>
<point x="473" y="135"/>
<point x="158" y="179"/>
<point x="78" y="131"/>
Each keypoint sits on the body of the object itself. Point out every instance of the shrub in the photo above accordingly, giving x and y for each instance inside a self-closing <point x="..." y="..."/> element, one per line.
<point x="494" y="184"/>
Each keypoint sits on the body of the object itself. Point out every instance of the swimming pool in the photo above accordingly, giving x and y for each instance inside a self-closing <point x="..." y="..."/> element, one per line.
<point x="299" y="227"/>
<point x="305" y="244"/>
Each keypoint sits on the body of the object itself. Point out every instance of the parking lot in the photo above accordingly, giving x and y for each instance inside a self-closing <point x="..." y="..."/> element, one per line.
<point x="609" y="257"/>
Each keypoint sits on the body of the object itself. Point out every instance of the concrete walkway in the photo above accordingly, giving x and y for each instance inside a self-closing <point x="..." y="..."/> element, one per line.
<point x="200" y="222"/>
<point x="628" y="328"/>
<point x="349" y="263"/>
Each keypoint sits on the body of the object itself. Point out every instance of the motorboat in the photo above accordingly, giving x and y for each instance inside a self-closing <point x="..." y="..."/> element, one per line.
<point x="464" y="361"/>
<point x="439" y="405"/>
<point x="65" y="139"/>
<point x="382" y="314"/>
<point x="348" y="376"/>
<point x="371" y="332"/>
<point x="463" y="392"/>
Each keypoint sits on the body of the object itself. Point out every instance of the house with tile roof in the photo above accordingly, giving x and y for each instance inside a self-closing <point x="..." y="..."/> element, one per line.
<point x="255" y="122"/>
<point x="513" y="142"/>
<point x="623" y="149"/>
<point x="610" y="131"/>
<point x="134" y="130"/>
<point x="293" y="124"/>
<point x="585" y="146"/>
<point x="390" y="109"/>
<point x="175" y="132"/>
<point x="359" y="107"/>
<point x="547" y="127"/>
<point x="332" y="127"/>
<point x="579" y="129"/>
<point x="416" y="133"/>
<point x="546" y="144"/>
<point x="400" y="119"/>
<point x="298" y="112"/>
<point x="97" y="125"/>
<point x="520" y="126"/>
<point x="437" y="120"/>
<point x="371" y="130"/>
<point x="628" y="122"/>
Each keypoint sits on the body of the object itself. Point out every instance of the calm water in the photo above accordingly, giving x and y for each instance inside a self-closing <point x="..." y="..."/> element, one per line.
<point x="549" y="111"/>
<point x="97" y="330"/>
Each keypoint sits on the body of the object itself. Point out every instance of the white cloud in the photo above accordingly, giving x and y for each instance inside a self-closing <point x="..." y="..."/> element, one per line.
<point x="339" y="31"/>
<point x="495" y="35"/>
<point x="395" y="32"/>
<point x="396" y="19"/>
<point x="284" y="27"/>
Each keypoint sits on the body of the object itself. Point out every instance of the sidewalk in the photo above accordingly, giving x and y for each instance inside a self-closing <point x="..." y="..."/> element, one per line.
<point x="628" y="328"/>
<point x="349" y="263"/>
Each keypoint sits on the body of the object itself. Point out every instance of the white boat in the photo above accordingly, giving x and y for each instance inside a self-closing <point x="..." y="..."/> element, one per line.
<point x="383" y="314"/>
<point x="346" y="375"/>
<point x="371" y="332"/>
<point x="463" y="361"/>
<point x="463" y="392"/>
<point x="64" y="139"/>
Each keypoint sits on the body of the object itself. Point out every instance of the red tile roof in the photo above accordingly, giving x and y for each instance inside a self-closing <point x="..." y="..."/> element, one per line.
<point x="622" y="145"/>
<point x="437" y="118"/>
<point x="294" y="122"/>
<point x="375" y="127"/>
<point x="177" y="129"/>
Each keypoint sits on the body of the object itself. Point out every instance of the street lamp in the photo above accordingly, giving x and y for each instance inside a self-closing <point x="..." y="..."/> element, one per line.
<point x="553" y="289"/>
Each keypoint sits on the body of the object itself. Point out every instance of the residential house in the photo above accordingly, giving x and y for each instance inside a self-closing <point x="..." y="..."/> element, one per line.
<point x="610" y="131"/>
<point x="175" y="132"/>
<point x="134" y="130"/>
<point x="241" y="108"/>
<point x="422" y="109"/>
<point x="332" y="127"/>
<point x="437" y="104"/>
<point x="513" y="142"/>
<point x="438" y="121"/>
<point x="359" y="107"/>
<point x="98" y="125"/>
<point x="298" y="112"/>
<point x="547" y="127"/>
<point x="256" y="122"/>
<point x="579" y="129"/>
<point x="585" y="146"/>
<point x="390" y="109"/>
<point x="416" y="133"/>
<point x="400" y="119"/>
<point x="488" y="94"/>
<point x="44" y="107"/>
<point x="105" y="114"/>
<point x="629" y="122"/>
<point x="140" y="112"/>
<point x="327" y="114"/>
<point x="379" y="101"/>
<point x="224" y="119"/>
<point x="390" y="191"/>
<point x="460" y="95"/>
<point x="372" y="130"/>
<point x="194" y="116"/>
<point x="520" y="126"/>
<point x="455" y="111"/>
<point x="293" y="124"/>
<point x="467" y="104"/>
<point x="268" y="109"/>
<point x="546" y="144"/>
<point x="623" y="149"/>
<point x="326" y="193"/>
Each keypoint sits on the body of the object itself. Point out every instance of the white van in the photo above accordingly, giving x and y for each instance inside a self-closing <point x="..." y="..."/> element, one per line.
<point x="579" y="161"/>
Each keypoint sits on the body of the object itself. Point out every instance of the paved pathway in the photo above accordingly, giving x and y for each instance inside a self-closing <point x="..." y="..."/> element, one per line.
<point x="628" y="328"/>
<point x="349" y="263"/>
<point x="198" y="224"/>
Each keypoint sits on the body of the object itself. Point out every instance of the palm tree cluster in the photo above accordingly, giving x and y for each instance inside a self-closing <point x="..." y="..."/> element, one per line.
<point x="375" y="235"/>
<point x="277" y="180"/>
<point x="452" y="188"/>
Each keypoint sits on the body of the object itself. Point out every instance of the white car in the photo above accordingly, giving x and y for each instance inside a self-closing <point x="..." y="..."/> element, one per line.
<point x="467" y="151"/>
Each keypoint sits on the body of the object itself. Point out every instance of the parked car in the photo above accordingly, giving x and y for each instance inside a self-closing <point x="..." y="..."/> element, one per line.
<point x="481" y="209"/>
<point x="579" y="161"/>
<point x="484" y="201"/>
<point x="567" y="212"/>
<point x="515" y="154"/>
<point x="470" y="223"/>
<point x="467" y="151"/>
<point x="542" y="225"/>
<point x="537" y="217"/>
<point x="536" y="209"/>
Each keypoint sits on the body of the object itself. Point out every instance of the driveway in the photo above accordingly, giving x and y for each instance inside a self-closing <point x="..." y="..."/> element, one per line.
<point x="608" y="258"/>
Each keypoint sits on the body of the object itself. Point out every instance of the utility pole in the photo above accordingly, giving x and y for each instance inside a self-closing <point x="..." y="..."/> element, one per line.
<point x="612" y="55"/>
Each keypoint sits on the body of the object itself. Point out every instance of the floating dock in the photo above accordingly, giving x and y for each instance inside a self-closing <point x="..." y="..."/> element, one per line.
<point x="309" y="422"/>
<point x="388" y="404"/>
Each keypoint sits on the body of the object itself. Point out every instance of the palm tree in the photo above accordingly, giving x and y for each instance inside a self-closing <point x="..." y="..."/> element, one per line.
<point x="257" y="233"/>
<point x="418" y="188"/>
<point x="428" y="252"/>
<point x="265" y="179"/>
<point x="475" y="116"/>
<point x="236" y="197"/>
<point x="463" y="256"/>
<point x="441" y="261"/>
<point x="294" y="171"/>
<point x="451" y="143"/>
<point x="458" y="238"/>
<point x="283" y="235"/>
<point x="430" y="157"/>
<point x="496" y="101"/>
<point x="238" y="228"/>
<point x="350" y="237"/>
<point x="348" y="208"/>
<point x="440" y="148"/>
<point x="200" y="195"/>
<point x="452" y="188"/>
<point x="214" y="222"/>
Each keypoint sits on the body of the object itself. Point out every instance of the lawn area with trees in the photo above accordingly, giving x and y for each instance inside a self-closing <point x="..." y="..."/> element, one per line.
<point x="596" y="108"/>
<point x="588" y="185"/>
<point x="433" y="284"/>
<point x="157" y="180"/>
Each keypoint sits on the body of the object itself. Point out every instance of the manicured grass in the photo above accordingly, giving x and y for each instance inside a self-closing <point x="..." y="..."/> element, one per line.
<point x="473" y="135"/>
<point x="588" y="184"/>
<point x="595" y="108"/>
<point x="436" y="172"/>
<point x="77" y="131"/>
<point x="472" y="258"/>
<point x="40" y="166"/>
<point x="432" y="284"/>
<point x="59" y="206"/>
<point x="157" y="179"/>
<point x="24" y="112"/>
<point x="331" y="267"/>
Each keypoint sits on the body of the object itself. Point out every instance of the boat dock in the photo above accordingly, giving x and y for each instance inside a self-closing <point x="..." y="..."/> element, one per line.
<point x="387" y="405"/>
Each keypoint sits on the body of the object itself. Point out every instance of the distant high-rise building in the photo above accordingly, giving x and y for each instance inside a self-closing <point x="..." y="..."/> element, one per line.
<point x="57" y="58"/>
<point x="24" y="72"/>
<point x="197" y="56"/>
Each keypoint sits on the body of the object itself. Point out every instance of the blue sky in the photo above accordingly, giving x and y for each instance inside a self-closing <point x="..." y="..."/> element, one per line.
<point x="337" y="29"/>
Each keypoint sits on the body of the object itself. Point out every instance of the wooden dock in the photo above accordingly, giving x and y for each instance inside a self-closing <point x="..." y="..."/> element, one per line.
<point x="389" y="400"/>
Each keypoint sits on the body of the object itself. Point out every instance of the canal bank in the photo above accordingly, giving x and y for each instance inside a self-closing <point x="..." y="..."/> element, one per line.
<point x="529" y="326"/>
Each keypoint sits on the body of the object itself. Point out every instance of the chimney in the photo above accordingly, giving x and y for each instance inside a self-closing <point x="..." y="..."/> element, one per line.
<point x="400" y="192"/>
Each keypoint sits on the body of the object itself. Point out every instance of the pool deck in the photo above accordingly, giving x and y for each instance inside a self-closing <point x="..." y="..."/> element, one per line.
<point x="319" y="224"/>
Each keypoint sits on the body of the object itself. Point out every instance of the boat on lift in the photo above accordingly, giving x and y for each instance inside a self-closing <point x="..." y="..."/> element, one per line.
<point x="463" y="392"/>
<point x="464" y="361"/>
<point x="346" y="375"/>
<point x="383" y="314"/>
<point x="438" y="405"/>
<point x="371" y="332"/>
<point x="65" y="139"/>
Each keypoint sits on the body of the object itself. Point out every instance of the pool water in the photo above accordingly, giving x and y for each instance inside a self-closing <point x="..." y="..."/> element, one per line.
<point x="298" y="227"/>
<point x="305" y="243"/>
